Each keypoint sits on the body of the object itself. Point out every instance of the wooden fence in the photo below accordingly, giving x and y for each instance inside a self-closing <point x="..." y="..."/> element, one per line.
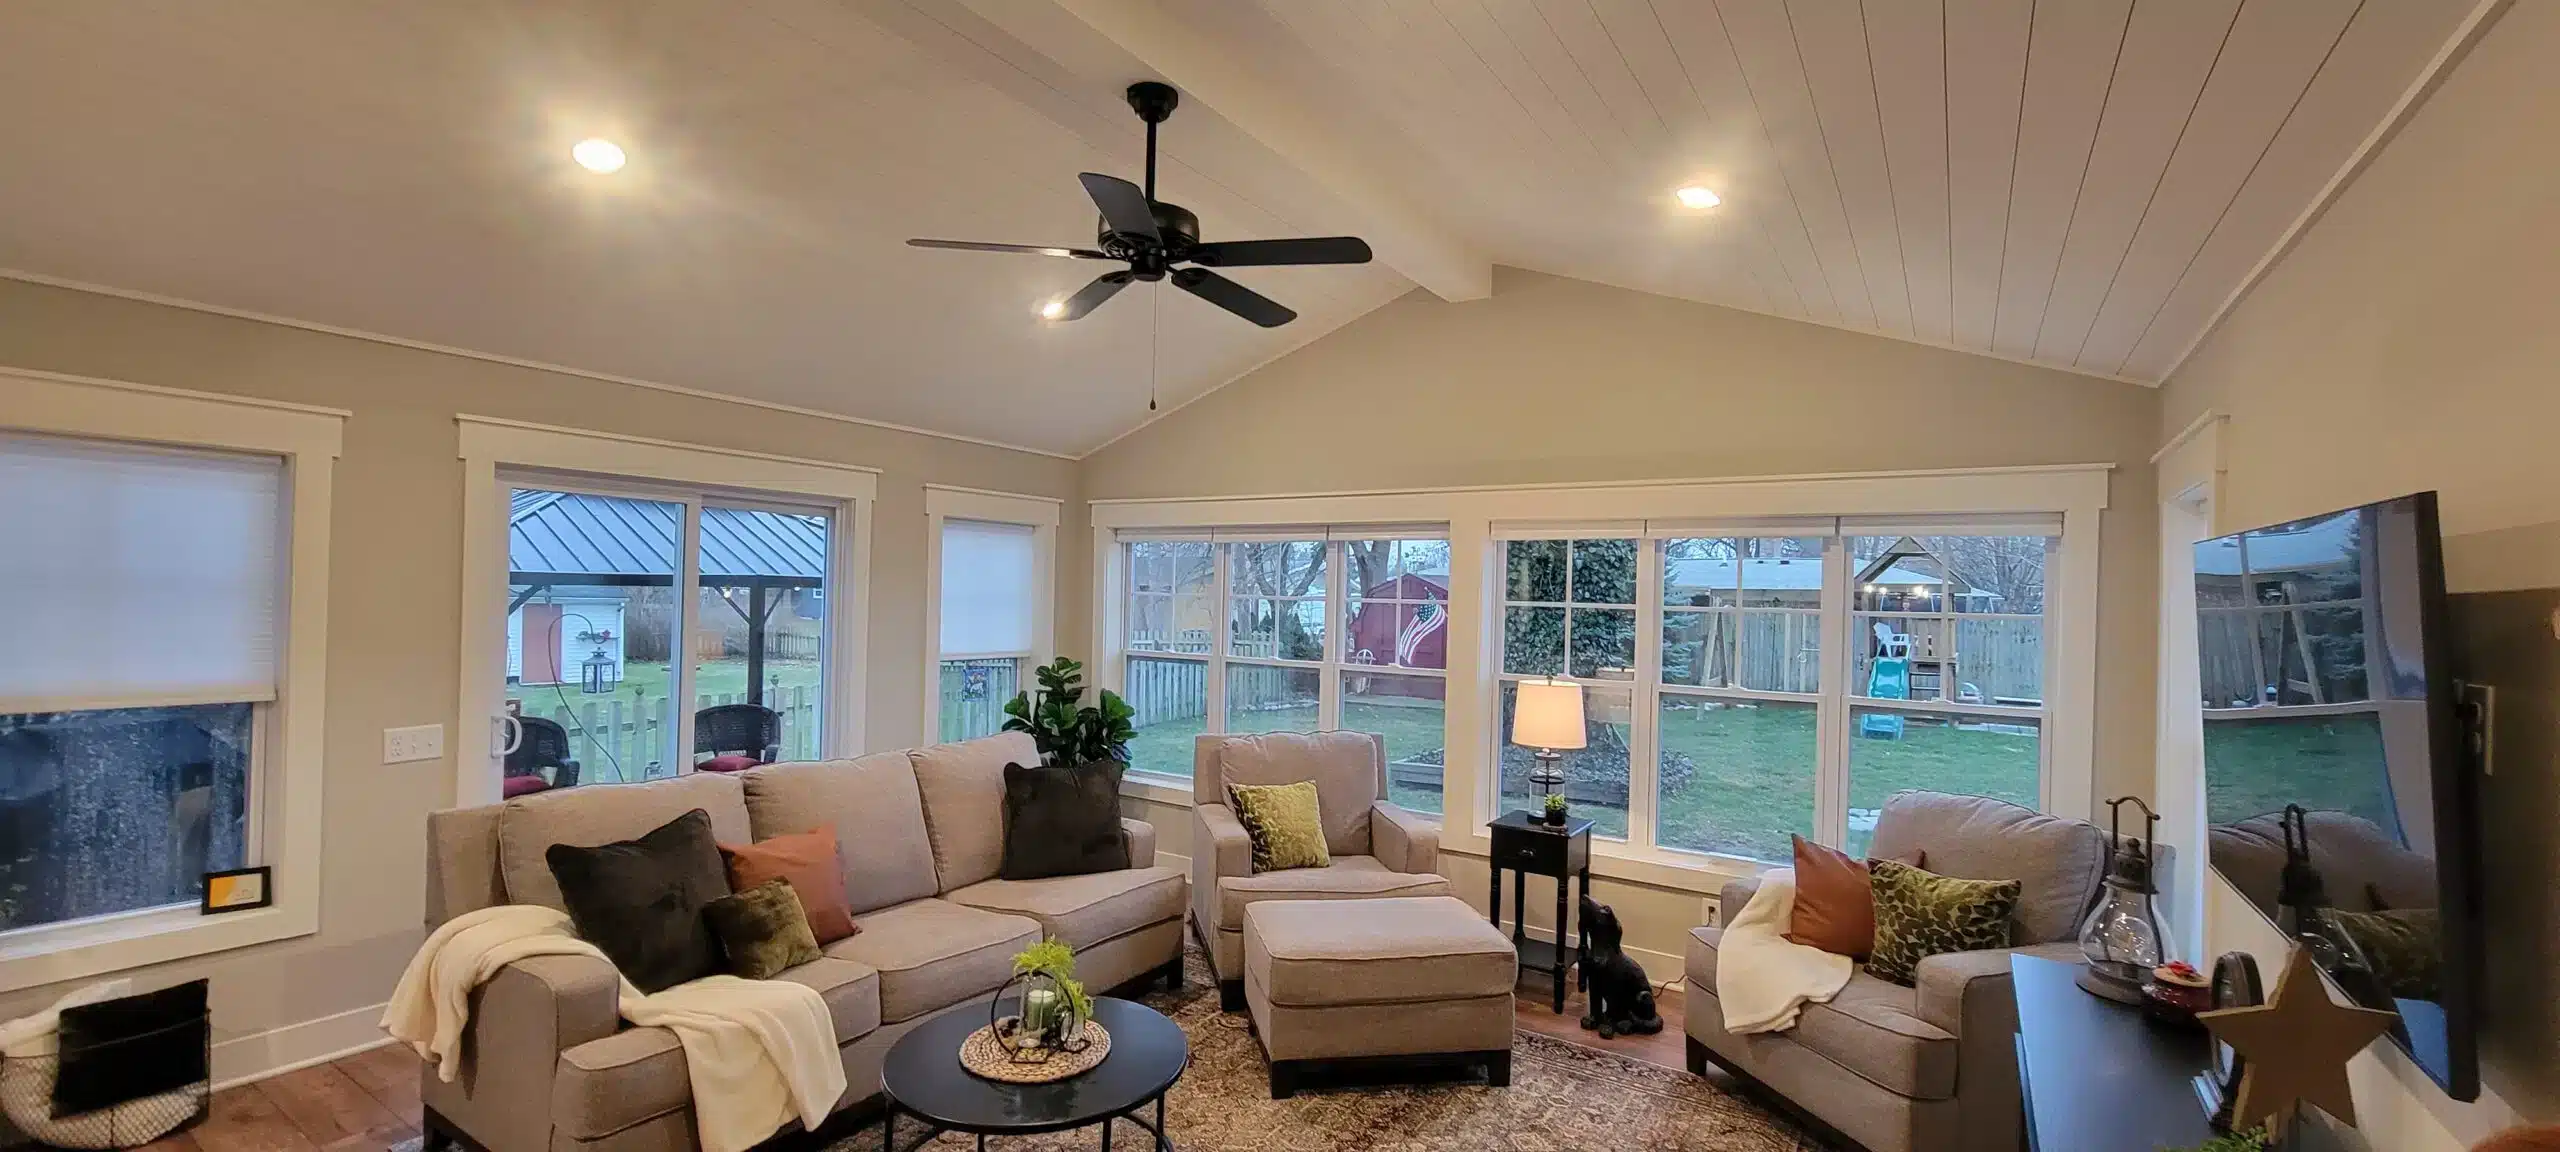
<point x="965" y="716"/>
<point x="624" y="737"/>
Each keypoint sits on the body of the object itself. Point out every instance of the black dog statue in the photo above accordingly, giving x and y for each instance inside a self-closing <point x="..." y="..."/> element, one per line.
<point x="1621" y="997"/>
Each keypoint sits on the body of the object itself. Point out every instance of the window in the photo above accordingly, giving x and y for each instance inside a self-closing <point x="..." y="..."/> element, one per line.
<point x="1314" y="631"/>
<point x="1738" y="705"/>
<point x="603" y="653"/>
<point x="1713" y="707"/>
<point x="1569" y="612"/>
<point x="142" y="663"/>
<point x="1954" y="624"/>
<point x="989" y="607"/>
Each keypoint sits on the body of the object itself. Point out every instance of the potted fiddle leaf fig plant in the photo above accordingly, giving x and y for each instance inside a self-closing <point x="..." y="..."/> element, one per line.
<point x="1068" y="731"/>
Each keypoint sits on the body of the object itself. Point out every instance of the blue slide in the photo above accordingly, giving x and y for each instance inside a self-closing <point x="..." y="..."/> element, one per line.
<point x="1890" y="679"/>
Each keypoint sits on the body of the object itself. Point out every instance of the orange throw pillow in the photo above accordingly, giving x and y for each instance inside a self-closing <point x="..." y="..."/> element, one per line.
<point x="1835" y="908"/>
<point x="807" y="860"/>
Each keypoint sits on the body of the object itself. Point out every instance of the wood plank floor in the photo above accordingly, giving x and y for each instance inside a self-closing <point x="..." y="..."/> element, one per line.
<point x="370" y="1100"/>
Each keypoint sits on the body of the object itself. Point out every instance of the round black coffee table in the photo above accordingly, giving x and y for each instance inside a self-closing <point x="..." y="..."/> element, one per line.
<point x="925" y="1080"/>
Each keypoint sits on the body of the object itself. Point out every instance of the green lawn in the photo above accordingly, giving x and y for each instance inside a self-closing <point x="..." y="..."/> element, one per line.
<point x="2256" y="766"/>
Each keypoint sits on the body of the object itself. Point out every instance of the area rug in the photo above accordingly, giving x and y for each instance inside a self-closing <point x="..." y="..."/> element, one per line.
<point x="1563" y="1098"/>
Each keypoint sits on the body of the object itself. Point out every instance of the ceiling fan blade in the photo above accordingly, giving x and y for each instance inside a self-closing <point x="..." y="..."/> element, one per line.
<point x="1123" y="204"/>
<point x="1092" y="295"/>
<point x="1025" y="249"/>
<point x="1232" y="296"/>
<point x="1304" y="250"/>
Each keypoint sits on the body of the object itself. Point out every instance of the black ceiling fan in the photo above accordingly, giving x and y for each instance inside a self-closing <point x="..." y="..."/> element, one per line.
<point x="1152" y="237"/>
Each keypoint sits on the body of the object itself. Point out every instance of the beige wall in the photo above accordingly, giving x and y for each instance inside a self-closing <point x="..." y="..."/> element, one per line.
<point x="1556" y="380"/>
<point x="2409" y="342"/>
<point x="394" y="600"/>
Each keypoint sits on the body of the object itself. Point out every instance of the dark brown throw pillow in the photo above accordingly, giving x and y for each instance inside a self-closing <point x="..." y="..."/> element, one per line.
<point x="1835" y="907"/>
<point x="763" y="929"/>
<point x="641" y="900"/>
<point x="1062" y="820"/>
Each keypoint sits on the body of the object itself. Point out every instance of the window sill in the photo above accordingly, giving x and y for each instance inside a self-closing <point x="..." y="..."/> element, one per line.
<point x="1612" y="860"/>
<point x="1157" y="788"/>
<point x="86" y="948"/>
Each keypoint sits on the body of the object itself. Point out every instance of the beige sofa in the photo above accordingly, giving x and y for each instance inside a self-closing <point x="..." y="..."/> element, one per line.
<point x="1378" y="849"/>
<point x="548" y="1063"/>
<point x="1930" y="1068"/>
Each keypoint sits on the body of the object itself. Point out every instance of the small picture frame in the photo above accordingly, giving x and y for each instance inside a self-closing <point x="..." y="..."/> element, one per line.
<point x="238" y="890"/>
<point x="2235" y="985"/>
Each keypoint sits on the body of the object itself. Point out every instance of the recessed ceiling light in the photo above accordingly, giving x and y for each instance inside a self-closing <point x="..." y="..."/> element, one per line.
<point x="1053" y="309"/>
<point x="598" y="155"/>
<point x="1697" y="197"/>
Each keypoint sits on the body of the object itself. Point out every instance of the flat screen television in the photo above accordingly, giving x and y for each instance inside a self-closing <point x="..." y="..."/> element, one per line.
<point x="2339" y="799"/>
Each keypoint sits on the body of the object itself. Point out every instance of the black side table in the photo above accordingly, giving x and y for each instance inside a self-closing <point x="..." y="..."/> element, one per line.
<point x="1525" y="845"/>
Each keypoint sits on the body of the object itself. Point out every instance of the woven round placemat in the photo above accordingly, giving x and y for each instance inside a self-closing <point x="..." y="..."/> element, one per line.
<point x="986" y="1057"/>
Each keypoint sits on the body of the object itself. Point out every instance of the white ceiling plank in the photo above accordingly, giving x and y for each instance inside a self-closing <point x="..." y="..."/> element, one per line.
<point x="2071" y="64"/>
<point x="1713" y="70"/>
<point x="2274" y="50"/>
<point x="1566" y="79"/>
<point x="2356" y="91"/>
<point x="2170" y="48"/>
<point x="1604" y="65"/>
<point x="1520" y="79"/>
<point x="1831" y="40"/>
<point x="1986" y="70"/>
<point x="1765" y="45"/>
<point x="1906" y="45"/>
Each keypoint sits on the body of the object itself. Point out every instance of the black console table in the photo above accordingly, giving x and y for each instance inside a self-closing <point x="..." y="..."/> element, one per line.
<point x="2097" y="1077"/>
<point x="1562" y="851"/>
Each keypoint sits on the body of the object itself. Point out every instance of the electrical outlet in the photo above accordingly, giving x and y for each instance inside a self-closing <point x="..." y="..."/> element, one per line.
<point x="405" y="745"/>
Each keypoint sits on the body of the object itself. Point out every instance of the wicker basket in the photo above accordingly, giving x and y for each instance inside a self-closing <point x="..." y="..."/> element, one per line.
<point x="27" y="1098"/>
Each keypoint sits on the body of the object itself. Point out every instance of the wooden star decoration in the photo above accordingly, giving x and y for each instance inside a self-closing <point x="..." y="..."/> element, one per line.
<point x="2296" y="1046"/>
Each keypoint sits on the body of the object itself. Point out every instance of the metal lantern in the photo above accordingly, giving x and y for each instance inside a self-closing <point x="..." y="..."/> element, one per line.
<point x="1045" y="1024"/>
<point x="2123" y="937"/>
<point x="598" y="674"/>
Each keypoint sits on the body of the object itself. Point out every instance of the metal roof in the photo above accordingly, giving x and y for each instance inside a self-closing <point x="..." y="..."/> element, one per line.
<point x="559" y="537"/>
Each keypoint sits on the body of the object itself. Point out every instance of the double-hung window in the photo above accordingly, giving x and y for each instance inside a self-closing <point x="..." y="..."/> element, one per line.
<point x="1288" y="630"/>
<point x="1743" y="686"/>
<point x="141" y="600"/>
<point x="164" y="603"/>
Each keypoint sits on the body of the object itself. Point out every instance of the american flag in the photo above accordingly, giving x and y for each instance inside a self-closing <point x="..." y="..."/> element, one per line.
<point x="1427" y="622"/>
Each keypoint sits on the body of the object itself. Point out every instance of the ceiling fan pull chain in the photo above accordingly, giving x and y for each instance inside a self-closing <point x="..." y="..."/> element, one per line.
<point x="1155" y="321"/>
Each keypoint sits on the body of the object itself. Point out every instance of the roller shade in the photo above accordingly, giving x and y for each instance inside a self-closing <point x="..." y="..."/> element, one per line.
<point x="990" y="594"/>
<point x="136" y="576"/>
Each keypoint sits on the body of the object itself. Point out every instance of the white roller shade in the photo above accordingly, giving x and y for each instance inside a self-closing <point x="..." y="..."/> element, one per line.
<point x="132" y="577"/>
<point x="990" y="587"/>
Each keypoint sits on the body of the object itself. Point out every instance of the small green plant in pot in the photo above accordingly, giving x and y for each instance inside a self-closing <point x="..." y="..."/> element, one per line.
<point x="1555" y="808"/>
<point x="1068" y="731"/>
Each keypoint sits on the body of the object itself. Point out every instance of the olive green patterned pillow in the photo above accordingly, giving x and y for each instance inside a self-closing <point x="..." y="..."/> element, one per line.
<point x="1284" y="822"/>
<point x="763" y="929"/>
<point x="1920" y="914"/>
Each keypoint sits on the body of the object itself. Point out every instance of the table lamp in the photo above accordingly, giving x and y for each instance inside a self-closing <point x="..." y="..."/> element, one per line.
<point x="1546" y="715"/>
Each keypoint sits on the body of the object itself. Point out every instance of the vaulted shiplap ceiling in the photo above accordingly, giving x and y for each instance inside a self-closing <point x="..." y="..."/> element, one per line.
<point x="2082" y="183"/>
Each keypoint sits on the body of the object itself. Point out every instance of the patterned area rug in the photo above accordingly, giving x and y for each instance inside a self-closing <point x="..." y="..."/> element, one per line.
<point x="1563" y="1098"/>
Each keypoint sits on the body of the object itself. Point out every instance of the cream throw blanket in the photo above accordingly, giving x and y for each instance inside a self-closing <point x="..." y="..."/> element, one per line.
<point x="759" y="1052"/>
<point x="1764" y="980"/>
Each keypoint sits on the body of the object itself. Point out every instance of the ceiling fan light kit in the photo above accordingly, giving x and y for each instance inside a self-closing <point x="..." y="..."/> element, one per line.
<point x="1157" y="240"/>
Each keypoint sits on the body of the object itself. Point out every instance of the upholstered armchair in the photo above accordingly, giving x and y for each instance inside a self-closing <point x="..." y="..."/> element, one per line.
<point x="1931" y="1067"/>
<point x="1377" y="848"/>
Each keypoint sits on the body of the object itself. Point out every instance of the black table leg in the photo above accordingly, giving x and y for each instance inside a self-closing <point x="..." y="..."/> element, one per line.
<point x="1519" y="908"/>
<point x="1561" y="960"/>
<point x="1106" y="1133"/>
<point x="1581" y="934"/>
<point x="1493" y="900"/>
<point x="889" y="1130"/>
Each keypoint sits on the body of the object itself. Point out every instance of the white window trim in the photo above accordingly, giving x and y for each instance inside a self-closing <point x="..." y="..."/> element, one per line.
<point x="488" y="444"/>
<point x="2075" y="492"/>
<point x="1038" y="513"/>
<point x="286" y="812"/>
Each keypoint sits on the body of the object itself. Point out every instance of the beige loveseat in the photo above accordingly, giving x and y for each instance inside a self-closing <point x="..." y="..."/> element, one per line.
<point x="1930" y="1068"/>
<point x="548" y="1063"/>
<point x="1378" y="849"/>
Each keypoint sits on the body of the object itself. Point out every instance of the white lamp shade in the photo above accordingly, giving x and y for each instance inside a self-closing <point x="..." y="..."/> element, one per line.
<point x="1547" y="714"/>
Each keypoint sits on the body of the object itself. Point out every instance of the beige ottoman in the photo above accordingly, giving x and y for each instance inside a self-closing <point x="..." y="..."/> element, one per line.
<point x="1361" y="986"/>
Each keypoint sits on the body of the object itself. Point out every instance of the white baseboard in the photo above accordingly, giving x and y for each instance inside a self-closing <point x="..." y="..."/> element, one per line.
<point x="243" y="1059"/>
